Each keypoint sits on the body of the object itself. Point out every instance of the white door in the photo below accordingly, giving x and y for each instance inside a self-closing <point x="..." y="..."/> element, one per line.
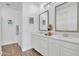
<point x="9" y="26"/>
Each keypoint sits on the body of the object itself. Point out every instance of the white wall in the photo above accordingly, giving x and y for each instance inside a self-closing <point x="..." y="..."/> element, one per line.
<point x="0" y="33"/>
<point x="19" y="22"/>
<point x="29" y="10"/>
<point x="0" y="28"/>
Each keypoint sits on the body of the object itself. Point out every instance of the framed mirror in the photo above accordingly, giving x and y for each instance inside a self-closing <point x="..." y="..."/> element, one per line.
<point x="66" y="19"/>
<point x="44" y="21"/>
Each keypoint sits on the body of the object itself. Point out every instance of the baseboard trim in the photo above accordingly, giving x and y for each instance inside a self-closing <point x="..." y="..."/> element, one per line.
<point x="35" y="51"/>
<point x="9" y="43"/>
<point x="25" y="49"/>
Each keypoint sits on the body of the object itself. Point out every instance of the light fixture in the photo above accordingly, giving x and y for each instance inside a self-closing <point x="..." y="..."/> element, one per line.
<point x="47" y="4"/>
<point x="8" y="4"/>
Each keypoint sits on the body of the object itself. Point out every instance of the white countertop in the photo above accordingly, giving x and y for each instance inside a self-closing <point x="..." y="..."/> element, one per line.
<point x="69" y="39"/>
<point x="61" y="37"/>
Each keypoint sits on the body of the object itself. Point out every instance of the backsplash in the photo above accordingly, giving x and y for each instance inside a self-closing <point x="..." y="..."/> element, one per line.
<point x="71" y="34"/>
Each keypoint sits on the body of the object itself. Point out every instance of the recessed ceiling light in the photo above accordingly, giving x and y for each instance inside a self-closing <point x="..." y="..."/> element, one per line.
<point x="8" y="4"/>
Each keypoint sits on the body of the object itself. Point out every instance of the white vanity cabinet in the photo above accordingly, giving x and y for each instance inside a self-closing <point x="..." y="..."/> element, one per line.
<point x="53" y="46"/>
<point x="40" y="44"/>
<point x="59" y="47"/>
<point x="36" y="42"/>
<point x="68" y="52"/>
<point x="69" y="48"/>
<point x="44" y="46"/>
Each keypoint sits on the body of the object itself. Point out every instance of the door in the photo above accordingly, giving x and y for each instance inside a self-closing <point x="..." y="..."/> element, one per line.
<point x="9" y="26"/>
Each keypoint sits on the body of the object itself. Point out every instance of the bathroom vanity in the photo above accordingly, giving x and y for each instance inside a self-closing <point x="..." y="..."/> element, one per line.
<point x="55" y="45"/>
<point x="66" y="20"/>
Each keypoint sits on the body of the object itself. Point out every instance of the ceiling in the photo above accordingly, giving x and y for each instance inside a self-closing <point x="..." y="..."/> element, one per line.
<point x="38" y="3"/>
<point x="18" y="4"/>
<point x="10" y="4"/>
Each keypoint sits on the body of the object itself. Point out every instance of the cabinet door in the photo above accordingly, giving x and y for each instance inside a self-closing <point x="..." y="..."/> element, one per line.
<point x="62" y="48"/>
<point x="54" y="47"/>
<point x="33" y="40"/>
<point x="69" y="49"/>
<point x="40" y="44"/>
<point x="68" y="52"/>
<point x="44" y="46"/>
<point x="36" y="42"/>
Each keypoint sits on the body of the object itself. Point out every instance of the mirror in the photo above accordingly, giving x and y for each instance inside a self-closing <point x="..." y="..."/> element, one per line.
<point x="43" y="21"/>
<point x="66" y="17"/>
